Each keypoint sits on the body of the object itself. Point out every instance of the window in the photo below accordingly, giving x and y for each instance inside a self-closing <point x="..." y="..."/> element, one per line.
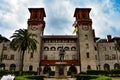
<point x="87" y="46"/>
<point x="106" y="57"/>
<point x="95" y="48"/>
<point x="86" y="37"/>
<point x="12" y="57"/>
<point x="66" y="48"/>
<point x="46" y="48"/>
<point x="88" y="55"/>
<point x="59" y="48"/>
<point x="31" y="55"/>
<point x="73" y="48"/>
<point x="5" y="57"/>
<point x="53" y="48"/>
<point x="113" y="56"/>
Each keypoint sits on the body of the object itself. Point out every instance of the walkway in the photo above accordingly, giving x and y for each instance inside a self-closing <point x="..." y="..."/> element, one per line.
<point x="60" y="79"/>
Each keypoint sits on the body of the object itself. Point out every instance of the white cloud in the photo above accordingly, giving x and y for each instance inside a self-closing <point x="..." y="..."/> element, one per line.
<point x="14" y="15"/>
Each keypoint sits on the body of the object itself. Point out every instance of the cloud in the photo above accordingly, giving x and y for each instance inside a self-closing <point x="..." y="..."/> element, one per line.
<point x="105" y="15"/>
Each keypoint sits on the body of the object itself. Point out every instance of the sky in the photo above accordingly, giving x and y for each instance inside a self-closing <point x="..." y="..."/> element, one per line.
<point x="105" y="15"/>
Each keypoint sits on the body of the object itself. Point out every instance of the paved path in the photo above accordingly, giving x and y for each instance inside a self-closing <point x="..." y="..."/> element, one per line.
<point x="59" y="79"/>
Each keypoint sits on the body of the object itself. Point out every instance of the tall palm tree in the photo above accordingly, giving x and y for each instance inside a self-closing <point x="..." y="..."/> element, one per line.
<point x="23" y="40"/>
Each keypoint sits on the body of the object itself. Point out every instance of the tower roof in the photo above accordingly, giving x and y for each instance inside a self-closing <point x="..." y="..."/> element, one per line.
<point x="36" y="9"/>
<point x="81" y="9"/>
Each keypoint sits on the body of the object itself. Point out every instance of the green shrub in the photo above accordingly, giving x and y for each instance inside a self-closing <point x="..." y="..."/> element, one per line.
<point x="3" y="72"/>
<point x="85" y="77"/>
<point x="20" y="78"/>
<point x="29" y="73"/>
<point x="98" y="72"/>
<point x="52" y="73"/>
<point x="102" y="78"/>
<point x="115" y="72"/>
<point x="35" y="77"/>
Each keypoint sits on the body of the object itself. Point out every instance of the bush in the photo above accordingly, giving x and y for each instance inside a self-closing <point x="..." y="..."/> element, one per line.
<point x="3" y="72"/>
<point x="115" y="72"/>
<point x="91" y="77"/>
<point x="29" y="73"/>
<point x="52" y="73"/>
<point x="20" y="78"/>
<point x="85" y="77"/>
<point x="96" y="72"/>
<point x="102" y="78"/>
<point x="35" y="77"/>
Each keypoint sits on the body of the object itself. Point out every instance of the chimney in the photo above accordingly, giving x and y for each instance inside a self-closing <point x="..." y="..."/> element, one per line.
<point x="109" y="37"/>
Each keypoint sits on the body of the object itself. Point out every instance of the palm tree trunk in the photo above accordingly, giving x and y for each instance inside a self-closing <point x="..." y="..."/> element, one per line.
<point x="22" y="60"/>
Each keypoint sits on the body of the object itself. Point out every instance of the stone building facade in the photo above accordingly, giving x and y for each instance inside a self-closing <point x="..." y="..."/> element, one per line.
<point x="83" y="51"/>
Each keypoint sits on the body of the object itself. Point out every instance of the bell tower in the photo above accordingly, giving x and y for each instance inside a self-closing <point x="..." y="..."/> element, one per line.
<point x="85" y="39"/>
<point x="36" y="25"/>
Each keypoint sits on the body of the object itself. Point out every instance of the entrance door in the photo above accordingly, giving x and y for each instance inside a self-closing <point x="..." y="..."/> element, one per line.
<point x="61" y="70"/>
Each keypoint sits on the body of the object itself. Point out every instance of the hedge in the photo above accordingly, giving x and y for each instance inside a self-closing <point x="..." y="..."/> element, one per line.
<point x="91" y="77"/>
<point x="98" y="72"/>
<point x="17" y="73"/>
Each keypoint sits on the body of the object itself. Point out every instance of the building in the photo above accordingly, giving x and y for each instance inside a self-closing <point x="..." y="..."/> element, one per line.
<point x="83" y="51"/>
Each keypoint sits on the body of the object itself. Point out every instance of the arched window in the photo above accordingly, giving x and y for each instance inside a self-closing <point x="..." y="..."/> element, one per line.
<point x="46" y="69"/>
<point x="106" y="67"/>
<point x="88" y="67"/>
<point x="2" y="66"/>
<point x="12" y="67"/>
<point x="116" y="66"/>
<point x="30" y="68"/>
<point x="53" y="48"/>
<point x="59" y="48"/>
<point x="73" y="48"/>
<point x="73" y="69"/>
<point x="66" y="48"/>
<point x="46" y="48"/>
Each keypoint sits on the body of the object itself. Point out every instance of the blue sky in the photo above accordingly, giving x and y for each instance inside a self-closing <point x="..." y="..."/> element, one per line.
<point x="105" y="15"/>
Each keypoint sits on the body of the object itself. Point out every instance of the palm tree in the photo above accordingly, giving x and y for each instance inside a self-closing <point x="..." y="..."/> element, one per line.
<point x="23" y="40"/>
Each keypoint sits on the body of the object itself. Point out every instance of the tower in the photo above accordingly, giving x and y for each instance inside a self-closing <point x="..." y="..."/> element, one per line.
<point x="36" y="26"/>
<point x="85" y="39"/>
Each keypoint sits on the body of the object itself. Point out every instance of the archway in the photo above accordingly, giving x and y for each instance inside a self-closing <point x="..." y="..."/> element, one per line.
<point x="2" y="66"/>
<point x="46" y="69"/>
<point x="30" y="68"/>
<point x="88" y="67"/>
<point x="116" y="66"/>
<point x="12" y="67"/>
<point x="106" y="67"/>
<point x="73" y="69"/>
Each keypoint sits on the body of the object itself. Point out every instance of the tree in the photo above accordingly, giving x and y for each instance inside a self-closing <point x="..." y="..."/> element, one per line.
<point x="22" y="40"/>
